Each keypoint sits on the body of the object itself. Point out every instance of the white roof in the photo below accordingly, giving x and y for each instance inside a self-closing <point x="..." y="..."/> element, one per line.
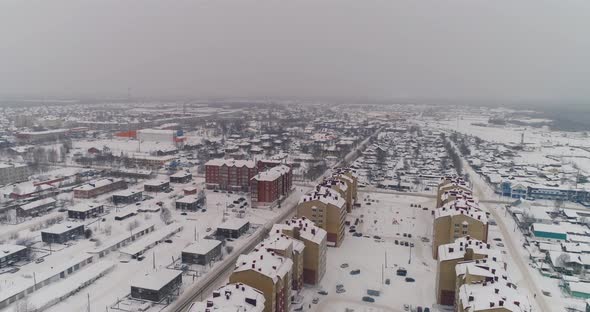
<point x="231" y="162"/>
<point x="188" y="199"/>
<point x="272" y="173"/>
<point x="155" y="182"/>
<point x="461" y="207"/>
<point x="549" y="228"/>
<point x="202" y="247"/>
<point x="96" y="184"/>
<point x="37" y="203"/>
<point x="307" y="229"/>
<point x="156" y="280"/>
<point x="127" y="192"/>
<point x="181" y="174"/>
<point x="142" y="244"/>
<point x="458" y="249"/>
<point x="9" y="249"/>
<point x="62" y="227"/>
<point x="84" y="207"/>
<point x="266" y="263"/>
<point x="281" y="242"/>
<point x="324" y="195"/>
<point x="233" y="224"/>
<point x="232" y="298"/>
<point x="580" y="287"/>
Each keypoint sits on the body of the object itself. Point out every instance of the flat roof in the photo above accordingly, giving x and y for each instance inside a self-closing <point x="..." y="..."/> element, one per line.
<point x="9" y="249"/>
<point x="62" y="228"/>
<point x="84" y="207"/>
<point x="127" y="192"/>
<point x="233" y="224"/>
<point x="156" y="280"/>
<point x="37" y="203"/>
<point x="202" y="247"/>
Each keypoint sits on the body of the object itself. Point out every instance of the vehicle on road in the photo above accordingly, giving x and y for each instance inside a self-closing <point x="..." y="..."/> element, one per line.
<point x="323" y="292"/>
<point x="344" y="265"/>
<point x="410" y="279"/>
<point x="355" y="272"/>
<point x="368" y="299"/>
<point x="315" y="300"/>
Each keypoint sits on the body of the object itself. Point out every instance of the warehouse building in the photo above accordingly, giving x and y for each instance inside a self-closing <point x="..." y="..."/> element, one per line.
<point x="233" y="228"/>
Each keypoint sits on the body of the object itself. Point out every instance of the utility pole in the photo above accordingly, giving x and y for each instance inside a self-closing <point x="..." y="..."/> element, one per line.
<point x="154" y="259"/>
<point x="88" y="302"/>
<point x="410" y="259"/>
<point x="382" y="274"/>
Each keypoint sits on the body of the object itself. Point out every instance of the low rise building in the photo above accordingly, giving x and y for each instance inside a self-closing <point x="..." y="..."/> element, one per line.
<point x="61" y="233"/>
<point x="181" y="177"/>
<point x="202" y="252"/>
<point x="99" y="187"/>
<point x="326" y="208"/>
<point x="12" y="173"/>
<point x="127" y="197"/>
<point x="156" y="186"/>
<point x="85" y="211"/>
<point x="36" y="208"/>
<point x="156" y="286"/>
<point x="11" y="254"/>
<point x="233" y="228"/>
<point x="191" y="202"/>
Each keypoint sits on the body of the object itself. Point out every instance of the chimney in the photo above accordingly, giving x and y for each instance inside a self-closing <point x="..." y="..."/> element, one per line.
<point x="501" y="303"/>
<point x="261" y="257"/>
<point x="496" y="291"/>
<point x="470" y="299"/>
<point x="253" y="266"/>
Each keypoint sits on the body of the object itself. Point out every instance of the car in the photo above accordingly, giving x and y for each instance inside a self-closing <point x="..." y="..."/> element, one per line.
<point x="426" y="309"/>
<point x="409" y="235"/>
<point x="406" y="307"/>
<point x="315" y="300"/>
<point x="39" y="260"/>
<point x="376" y="237"/>
<point x="368" y="204"/>
<point x="396" y="242"/>
<point x="229" y="239"/>
<point x="104" y="219"/>
<point x="498" y="239"/>
<point x="401" y="272"/>
<point x="406" y="244"/>
<point x="355" y="272"/>
<point x="203" y="210"/>
<point x="387" y="281"/>
<point x="419" y="309"/>
<point x="344" y="265"/>
<point x="137" y="204"/>
<point x="338" y="286"/>
<point x="230" y="192"/>
<point x="216" y="191"/>
<point x="411" y="244"/>
<point x="405" y="234"/>
<point x="208" y="229"/>
<point x="231" y="206"/>
<point x="368" y="299"/>
<point x="357" y="234"/>
<point x="500" y="245"/>
<point x="323" y="292"/>
<point x="340" y="290"/>
<point x="410" y="279"/>
<point x="351" y="231"/>
<point x="183" y="213"/>
<point x="169" y="241"/>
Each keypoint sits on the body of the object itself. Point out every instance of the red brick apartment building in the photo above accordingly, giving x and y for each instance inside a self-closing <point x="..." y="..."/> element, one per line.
<point x="268" y="186"/>
<point x="230" y="174"/>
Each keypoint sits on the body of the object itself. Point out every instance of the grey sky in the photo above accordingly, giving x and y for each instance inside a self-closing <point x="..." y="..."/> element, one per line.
<point x="498" y="49"/>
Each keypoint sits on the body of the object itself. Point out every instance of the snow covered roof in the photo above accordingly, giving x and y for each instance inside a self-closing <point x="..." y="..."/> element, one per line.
<point x="202" y="247"/>
<point x="461" y="207"/>
<point x="96" y="184"/>
<point x="281" y="242"/>
<point x="181" y="174"/>
<point x="549" y="228"/>
<point x="61" y="228"/>
<point x="307" y="229"/>
<point x="188" y="199"/>
<point x="266" y="263"/>
<point x="324" y="195"/>
<point x="155" y="182"/>
<point x="457" y="249"/>
<point x="145" y="241"/>
<point x="231" y="162"/>
<point x="232" y="298"/>
<point x="233" y="224"/>
<point x="490" y="295"/>
<point x="84" y="207"/>
<point x="272" y="173"/>
<point x="37" y="203"/>
<point x="157" y="280"/>
<point x="9" y="249"/>
<point x="127" y="192"/>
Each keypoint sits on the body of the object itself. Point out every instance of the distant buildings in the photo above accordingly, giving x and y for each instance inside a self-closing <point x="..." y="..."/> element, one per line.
<point x="99" y="187"/>
<point x="12" y="173"/>
<point x="41" y="136"/>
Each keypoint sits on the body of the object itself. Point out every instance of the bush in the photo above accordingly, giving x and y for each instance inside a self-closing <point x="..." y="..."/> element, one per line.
<point x="88" y="233"/>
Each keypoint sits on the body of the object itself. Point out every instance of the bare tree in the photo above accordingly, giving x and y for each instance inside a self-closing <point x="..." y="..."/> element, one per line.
<point x="165" y="215"/>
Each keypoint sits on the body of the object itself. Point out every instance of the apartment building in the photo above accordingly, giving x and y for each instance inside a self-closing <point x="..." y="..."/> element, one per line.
<point x="348" y="176"/>
<point x="232" y="297"/>
<point x="456" y="219"/>
<point x="41" y="136"/>
<point x="229" y="174"/>
<point x="12" y="173"/>
<point x="326" y="208"/>
<point x="288" y="247"/>
<point x="449" y="255"/>
<point x="450" y="183"/>
<point x="484" y="285"/>
<point x="314" y="239"/>
<point x="339" y="185"/>
<point x="269" y="273"/>
<point x="267" y="187"/>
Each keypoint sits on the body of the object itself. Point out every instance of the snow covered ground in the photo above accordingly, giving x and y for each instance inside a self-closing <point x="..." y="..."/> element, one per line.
<point x="369" y="256"/>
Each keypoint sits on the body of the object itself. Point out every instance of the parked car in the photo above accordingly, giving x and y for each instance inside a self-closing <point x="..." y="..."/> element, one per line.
<point x="396" y="242"/>
<point x="169" y="241"/>
<point x="355" y="272"/>
<point x="401" y="272"/>
<point x="340" y="290"/>
<point x="419" y="309"/>
<point x="406" y="307"/>
<point x="315" y="300"/>
<point x="344" y="265"/>
<point x="376" y="237"/>
<point x="426" y="309"/>
<point x="387" y="281"/>
<point x="183" y="213"/>
<point x="323" y="292"/>
<point x="39" y="260"/>
<point x="410" y="279"/>
<point x="368" y="299"/>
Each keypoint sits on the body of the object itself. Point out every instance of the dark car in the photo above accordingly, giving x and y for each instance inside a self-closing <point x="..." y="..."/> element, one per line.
<point x="426" y="309"/>
<point x="215" y="191"/>
<point x="368" y="299"/>
<point x="351" y="231"/>
<point x="405" y="234"/>
<point x="355" y="272"/>
<point x="203" y="210"/>
<point x="376" y="237"/>
<point x="402" y="272"/>
<point x="410" y="279"/>
<point x="406" y="244"/>
<point x="357" y="234"/>
<point x="169" y="241"/>
<point x="419" y="309"/>
<point x="387" y="281"/>
<point x="396" y="242"/>
<point x="323" y="292"/>
<point x="183" y="213"/>
<point x="409" y="235"/>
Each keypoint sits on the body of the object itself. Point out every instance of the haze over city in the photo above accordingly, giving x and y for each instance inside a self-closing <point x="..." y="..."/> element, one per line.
<point x="480" y="50"/>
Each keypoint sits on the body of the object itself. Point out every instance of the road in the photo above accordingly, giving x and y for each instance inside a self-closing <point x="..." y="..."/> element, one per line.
<point x="481" y="189"/>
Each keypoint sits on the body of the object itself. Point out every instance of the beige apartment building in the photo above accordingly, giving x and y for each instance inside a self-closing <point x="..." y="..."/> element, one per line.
<point x="458" y="219"/>
<point x="326" y="208"/>
<point x="315" y="240"/>
<point x="448" y="184"/>
<point x="485" y="286"/>
<point x="268" y="272"/>
<point x="449" y="255"/>
<point x="12" y="173"/>
<point x="288" y="247"/>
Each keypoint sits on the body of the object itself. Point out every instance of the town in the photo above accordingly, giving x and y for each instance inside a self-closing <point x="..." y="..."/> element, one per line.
<point x="276" y="207"/>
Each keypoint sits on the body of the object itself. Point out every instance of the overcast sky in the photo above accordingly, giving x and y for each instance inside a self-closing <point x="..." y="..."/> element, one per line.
<point x="497" y="49"/>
